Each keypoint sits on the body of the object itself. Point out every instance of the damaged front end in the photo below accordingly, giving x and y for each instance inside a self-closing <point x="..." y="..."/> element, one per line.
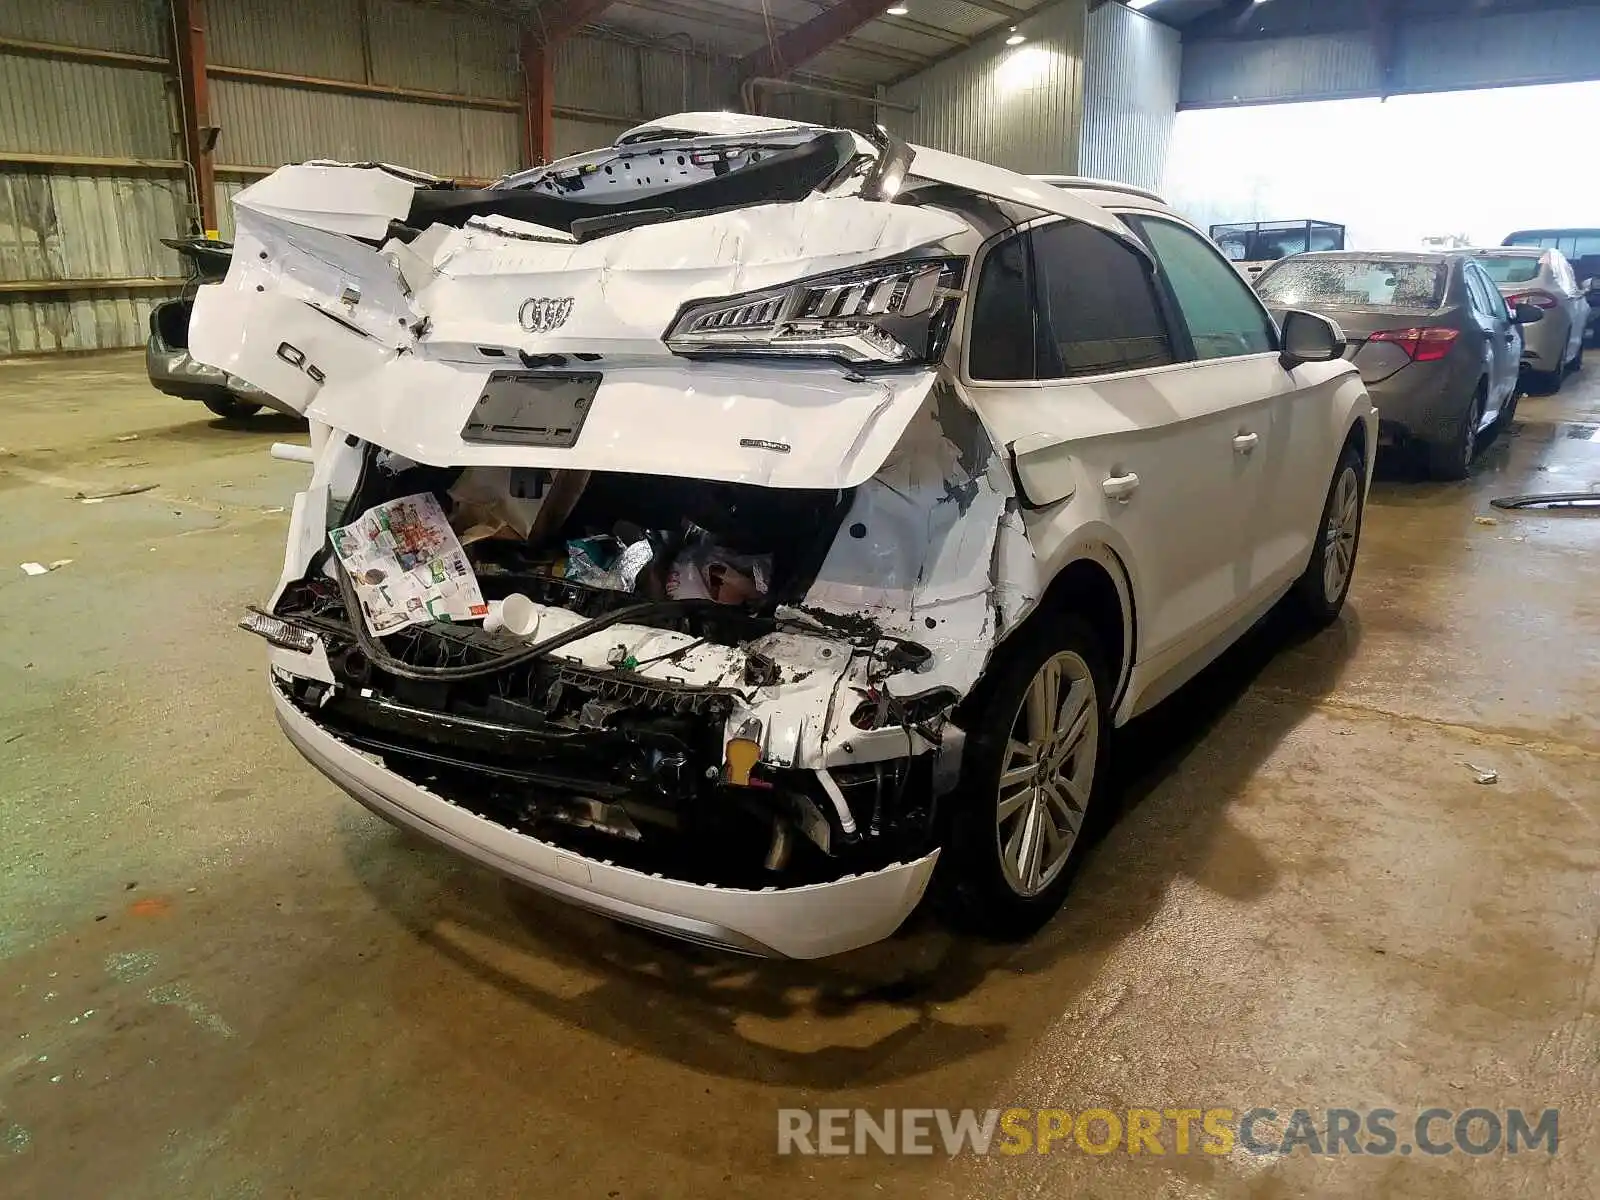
<point x="647" y="565"/>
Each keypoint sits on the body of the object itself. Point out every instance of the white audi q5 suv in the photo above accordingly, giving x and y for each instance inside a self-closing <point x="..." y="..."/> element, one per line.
<point x="740" y="528"/>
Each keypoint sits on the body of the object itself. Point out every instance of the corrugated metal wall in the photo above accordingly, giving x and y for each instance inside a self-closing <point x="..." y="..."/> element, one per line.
<point x="63" y="224"/>
<point x="1130" y="96"/>
<point x="1015" y="106"/>
<point x="71" y="221"/>
<point x="266" y="123"/>
<point x="1430" y="54"/>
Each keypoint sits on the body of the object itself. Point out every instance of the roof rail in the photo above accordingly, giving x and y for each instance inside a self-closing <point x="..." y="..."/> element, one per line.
<point x="1099" y="185"/>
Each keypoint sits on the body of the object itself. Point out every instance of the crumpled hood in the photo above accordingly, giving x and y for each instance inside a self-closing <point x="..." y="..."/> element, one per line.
<point x="395" y="344"/>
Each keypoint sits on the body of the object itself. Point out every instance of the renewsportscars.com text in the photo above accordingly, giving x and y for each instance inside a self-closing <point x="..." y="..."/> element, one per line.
<point x="1160" y="1131"/>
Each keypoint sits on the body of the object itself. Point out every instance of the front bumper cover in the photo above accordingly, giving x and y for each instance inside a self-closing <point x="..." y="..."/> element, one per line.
<point x="810" y="921"/>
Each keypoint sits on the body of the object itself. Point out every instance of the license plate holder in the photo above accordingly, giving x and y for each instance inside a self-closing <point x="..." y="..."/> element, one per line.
<point x="532" y="408"/>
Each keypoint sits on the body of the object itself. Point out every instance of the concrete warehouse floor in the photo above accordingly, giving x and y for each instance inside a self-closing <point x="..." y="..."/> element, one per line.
<point x="220" y="977"/>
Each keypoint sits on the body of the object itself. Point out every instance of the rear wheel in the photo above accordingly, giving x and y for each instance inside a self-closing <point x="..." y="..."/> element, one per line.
<point x="1545" y="383"/>
<point x="1576" y="364"/>
<point x="230" y="409"/>
<point x="1030" y="774"/>
<point x="1320" y="591"/>
<point x="1453" y="459"/>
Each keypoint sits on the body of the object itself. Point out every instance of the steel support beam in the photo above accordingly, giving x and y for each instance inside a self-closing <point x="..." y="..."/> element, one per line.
<point x="538" y="100"/>
<point x="804" y="42"/>
<point x="536" y="53"/>
<point x="189" y="61"/>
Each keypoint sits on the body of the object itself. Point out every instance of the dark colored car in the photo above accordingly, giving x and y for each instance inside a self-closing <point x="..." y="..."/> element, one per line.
<point x="1252" y="246"/>
<point x="1436" y="344"/>
<point x="166" y="355"/>
<point x="1582" y="248"/>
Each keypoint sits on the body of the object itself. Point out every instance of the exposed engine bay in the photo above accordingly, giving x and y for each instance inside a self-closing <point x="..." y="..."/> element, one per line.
<point x="730" y="708"/>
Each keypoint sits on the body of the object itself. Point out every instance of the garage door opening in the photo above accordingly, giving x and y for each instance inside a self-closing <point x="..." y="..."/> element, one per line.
<point x="1468" y="167"/>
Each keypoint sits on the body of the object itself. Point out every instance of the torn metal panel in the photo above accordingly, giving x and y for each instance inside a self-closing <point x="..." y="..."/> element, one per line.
<point x="918" y="551"/>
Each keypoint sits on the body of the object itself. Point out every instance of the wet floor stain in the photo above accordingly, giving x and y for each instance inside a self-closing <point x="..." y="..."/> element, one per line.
<point x="127" y="965"/>
<point x="178" y="996"/>
<point x="14" y="1139"/>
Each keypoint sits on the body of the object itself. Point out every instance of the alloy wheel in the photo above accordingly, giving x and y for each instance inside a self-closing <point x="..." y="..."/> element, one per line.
<point x="1339" y="535"/>
<point x="1048" y="774"/>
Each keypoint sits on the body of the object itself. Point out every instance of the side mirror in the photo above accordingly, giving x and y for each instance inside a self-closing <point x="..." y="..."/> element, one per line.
<point x="1527" y="314"/>
<point x="1309" y="338"/>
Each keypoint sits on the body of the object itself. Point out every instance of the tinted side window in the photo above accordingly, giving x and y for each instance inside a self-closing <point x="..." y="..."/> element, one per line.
<point x="1485" y="296"/>
<point x="1098" y="310"/>
<point x="1224" y="317"/>
<point x="1001" y="333"/>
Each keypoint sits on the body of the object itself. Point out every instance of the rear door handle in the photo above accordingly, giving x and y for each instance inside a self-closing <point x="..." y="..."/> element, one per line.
<point x="1245" y="443"/>
<point x="1120" y="487"/>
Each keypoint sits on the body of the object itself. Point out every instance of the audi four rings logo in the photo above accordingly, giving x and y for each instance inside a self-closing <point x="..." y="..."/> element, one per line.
<point x="544" y="314"/>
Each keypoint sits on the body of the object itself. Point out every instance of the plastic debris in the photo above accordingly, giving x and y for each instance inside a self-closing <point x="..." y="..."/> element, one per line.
<point x="604" y="562"/>
<point x="1484" y="521"/>
<point x="1484" y="774"/>
<point x="131" y="489"/>
<point x="707" y="572"/>
<point x="127" y="437"/>
<point x="33" y="568"/>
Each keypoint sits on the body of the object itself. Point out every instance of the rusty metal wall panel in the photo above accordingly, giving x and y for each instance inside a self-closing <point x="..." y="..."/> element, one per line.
<point x="75" y="321"/>
<point x="1015" y="106"/>
<point x="438" y="50"/>
<point x="49" y="106"/>
<point x="297" y="37"/>
<point x="268" y="125"/>
<point x="133" y="26"/>
<point x="89" y="226"/>
<point x="227" y="189"/>
<point x="599" y="75"/>
<point x="1130" y="96"/>
<point x="57" y="226"/>
<point x="574" y="137"/>
<point x="675" y="80"/>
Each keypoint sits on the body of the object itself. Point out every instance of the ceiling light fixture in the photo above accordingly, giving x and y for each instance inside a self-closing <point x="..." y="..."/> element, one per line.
<point x="1136" y="5"/>
<point x="1016" y="39"/>
<point x="899" y="10"/>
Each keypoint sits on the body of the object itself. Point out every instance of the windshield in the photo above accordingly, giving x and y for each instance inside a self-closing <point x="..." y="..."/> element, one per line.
<point x="1353" y="283"/>
<point x="1508" y="268"/>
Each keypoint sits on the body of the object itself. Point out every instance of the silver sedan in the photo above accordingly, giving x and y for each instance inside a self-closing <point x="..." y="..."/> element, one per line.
<point x="1545" y="279"/>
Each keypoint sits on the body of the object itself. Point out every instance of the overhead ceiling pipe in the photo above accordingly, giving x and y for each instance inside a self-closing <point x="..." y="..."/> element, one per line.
<point x="748" y="89"/>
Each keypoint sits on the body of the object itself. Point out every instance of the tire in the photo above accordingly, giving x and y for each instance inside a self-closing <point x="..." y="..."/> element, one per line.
<point x="1546" y="383"/>
<point x="1320" y="591"/>
<point x="230" y="409"/>
<point x="993" y="887"/>
<point x="1576" y="364"/>
<point x="1508" y="411"/>
<point x="1452" y="460"/>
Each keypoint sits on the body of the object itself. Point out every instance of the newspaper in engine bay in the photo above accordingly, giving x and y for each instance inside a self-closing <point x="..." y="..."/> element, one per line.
<point x="407" y="565"/>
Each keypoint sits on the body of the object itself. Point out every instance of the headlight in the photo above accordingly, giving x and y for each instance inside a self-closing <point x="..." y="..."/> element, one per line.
<point x="886" y="314"/>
